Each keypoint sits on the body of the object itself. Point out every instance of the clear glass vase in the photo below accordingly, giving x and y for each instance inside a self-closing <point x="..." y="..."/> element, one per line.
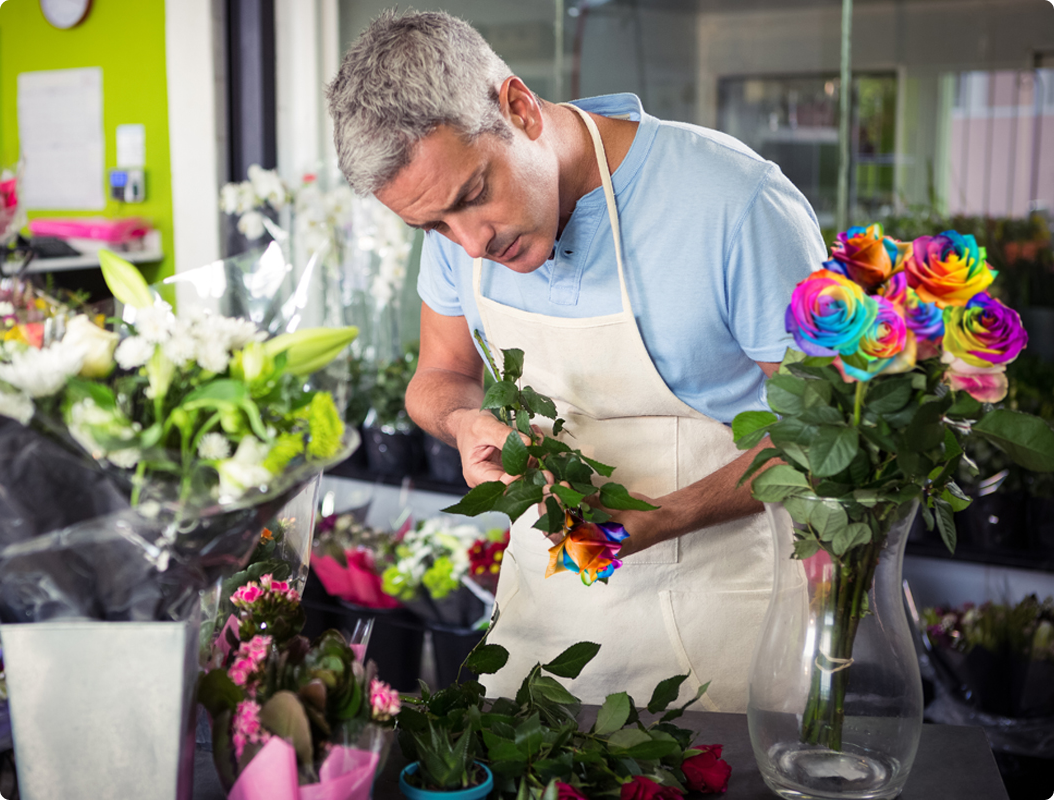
<point x="835" y="696"/>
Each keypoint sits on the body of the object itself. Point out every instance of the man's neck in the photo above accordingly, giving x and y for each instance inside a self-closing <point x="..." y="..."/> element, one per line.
<point x="579" y="171"/>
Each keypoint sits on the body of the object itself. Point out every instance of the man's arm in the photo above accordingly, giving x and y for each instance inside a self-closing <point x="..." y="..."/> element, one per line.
<point x="710" y="501"/>
<point x="445" y="395"/>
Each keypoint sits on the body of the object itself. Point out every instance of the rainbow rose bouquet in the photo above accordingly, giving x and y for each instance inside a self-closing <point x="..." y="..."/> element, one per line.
<point x="902" y="354"/>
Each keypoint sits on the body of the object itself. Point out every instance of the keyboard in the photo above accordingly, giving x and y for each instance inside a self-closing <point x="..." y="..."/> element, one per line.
<point x="51" y="247"/>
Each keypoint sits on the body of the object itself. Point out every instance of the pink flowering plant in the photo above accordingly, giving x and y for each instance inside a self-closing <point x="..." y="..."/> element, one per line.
<point x="902" y="354"/>
<point x="270" y="681"/>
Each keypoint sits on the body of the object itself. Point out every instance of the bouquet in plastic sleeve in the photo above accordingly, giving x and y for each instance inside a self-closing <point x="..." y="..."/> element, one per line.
<point x="12" y="214"/>
<point x="350" y="557"/>
<point x="291" y="718"/>
<point x="195" y="428"/>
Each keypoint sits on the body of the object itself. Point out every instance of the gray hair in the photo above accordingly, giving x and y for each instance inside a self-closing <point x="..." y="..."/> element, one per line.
<point x="403" y="77"/>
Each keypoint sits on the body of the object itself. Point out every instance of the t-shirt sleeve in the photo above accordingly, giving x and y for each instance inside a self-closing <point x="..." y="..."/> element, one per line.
<point x="435" y="281"/>
<point x="778" y="244"/>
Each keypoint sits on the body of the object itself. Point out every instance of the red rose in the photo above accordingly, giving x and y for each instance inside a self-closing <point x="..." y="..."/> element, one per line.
<point x="565" y="791"/>
<point x="706" y="772"/>
<point x="641" y="788"/>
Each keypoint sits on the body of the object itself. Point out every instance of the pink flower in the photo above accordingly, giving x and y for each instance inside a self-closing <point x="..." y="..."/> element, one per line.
<point x="246" y="727"/>
<point x="256" y="649"/>
<point x="292" y="596"/>
<point x="241" y="670"/>
<point x="384" y="701"/>
<point x="564" y="791"/>
<point x="986" y="384"/>
<point x="247" y="595"/>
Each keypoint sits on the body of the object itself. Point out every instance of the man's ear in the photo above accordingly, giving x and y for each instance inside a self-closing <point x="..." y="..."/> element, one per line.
<point x="520" y="107"/>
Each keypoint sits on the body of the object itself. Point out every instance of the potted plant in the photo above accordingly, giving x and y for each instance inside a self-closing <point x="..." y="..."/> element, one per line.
<point x="445" y="767"/>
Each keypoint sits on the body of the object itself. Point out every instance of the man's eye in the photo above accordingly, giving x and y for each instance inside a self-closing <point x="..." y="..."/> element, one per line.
<point x="477" y="199"/>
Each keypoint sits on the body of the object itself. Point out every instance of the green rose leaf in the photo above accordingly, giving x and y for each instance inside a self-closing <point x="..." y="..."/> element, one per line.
<point x="822" y="415"/>
<point x="616" y="496"/>
<point x="1026" y="439"/>
<point x="748" y="427"/>
<point x="487" y="659"/>
<point x="666" y="692"/>
<point x="833" y="450"/>
<point x="501" y="394"/>
<point x="518" y="497"/>
<point x="569" y="497"/>
<point x="599" y="467"/>
<point x="538" y="403"/>
<point x="888" y="396"/>
<point x="628" y="737"/>
<point x="806" y="548"/>
<point x="854" y="534"/>
<point x="613" y="714"/>
<point x="925" y="430"/>
<point x="513" y="364"/>
<point x="945" y="522"/>
<point x="655" y="749"/>
<point x="571" y="661"/>
<point x="478" y="499"/>
<point x="817" y="393"/>
<point x="514" y="455"/>
<point x="777" y="482"/>
<point x="760" y="460"/>
<point x="965" y="407"/>
<point x="551" y="689"/>
<point x="955" y="497"/>
<point x="827" y="519"/>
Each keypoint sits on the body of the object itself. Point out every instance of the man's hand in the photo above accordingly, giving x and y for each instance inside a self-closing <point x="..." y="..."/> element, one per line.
<point x="480" y="438"/>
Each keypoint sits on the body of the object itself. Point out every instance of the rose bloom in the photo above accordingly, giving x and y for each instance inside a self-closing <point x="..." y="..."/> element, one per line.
<point x="883" y="344"/>
<point x="706" y="772"/>
<point x="828" y="314"/>
<point x="985" y="384"/>
<point x="947" y="269"/>
<point x="641" y="788"/>
<point x="984" y="332"/>
<point x="565" y="791"/>
<point x="864" y="255"/>
<point x="895" y="289"/>
<point x="587" y="549"/>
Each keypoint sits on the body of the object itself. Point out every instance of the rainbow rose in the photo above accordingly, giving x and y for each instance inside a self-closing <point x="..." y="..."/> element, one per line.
<point x="947" y="269"/>
<point x="828" y="314"/>
<point x="926" y="321"/>
<point x="881" y="343"/>
<point x="588" y="549"/>
<point x="895" y="289"/>
<point x="983" y="332"/>
<point x="986" y="384"/>
<point x="864" y="255"/>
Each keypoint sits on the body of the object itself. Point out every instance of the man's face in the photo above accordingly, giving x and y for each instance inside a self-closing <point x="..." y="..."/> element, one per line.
<point x="496" y="198"/>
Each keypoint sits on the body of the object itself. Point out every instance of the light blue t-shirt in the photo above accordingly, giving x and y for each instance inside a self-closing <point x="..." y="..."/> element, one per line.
<point x="714" y="240"/>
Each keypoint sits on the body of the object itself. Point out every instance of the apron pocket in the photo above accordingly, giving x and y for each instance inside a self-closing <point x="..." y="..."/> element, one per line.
<point x="713" y="635"/>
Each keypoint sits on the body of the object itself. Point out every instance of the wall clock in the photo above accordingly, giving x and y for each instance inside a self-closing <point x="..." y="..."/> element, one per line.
<point x="65" y="13"/>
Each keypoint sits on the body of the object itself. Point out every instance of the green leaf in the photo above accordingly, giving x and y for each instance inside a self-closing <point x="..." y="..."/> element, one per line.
<point x="822" y="415"/>
<point x="538" y="403"/>
<point x="956" y="497"/>
<point x="925" y="430"/>
<point x="666" y="692"/>
<point x="806" y="548"/>
<point x="1026" y="439"/>
<point x="125" y="281"/>
<point x="217" y="692"/>
<point x="529" y="735"/>
<point x="827" y="518"/>
<point x="760" y="460"/>
<point x="551" y="689"/>
<point x="964" y="407"/>
<point x="854" y="534"/>
<point x="284" y="716"/>
<point x="569" y="497"/>
<point x="487" y="659"/>
<point x="615" y="495"/>
<point x="655" y="749"/>
<point x="833" y="450"/>
<point x="571" y="661"/>
<point x="599" y="467"/>
<point x="817" y="393"/>
<point x="628" y="737"/>
<point x="553" y="518"/>
<point x="478" y="499"/>
<point x="751" y="424"/>
<point x="945" y="523"/>
<point x="500" y="394"/>
<point x="514" y="455"/>
<point x="784" y="394"/>
<point x="513" y="364"/>
<point x="774" y="484"/>
<point x="518" y="497"/>
<point x="889" y="396"/>
<point x="613" y="714"/>
<point x="218" y="392"/>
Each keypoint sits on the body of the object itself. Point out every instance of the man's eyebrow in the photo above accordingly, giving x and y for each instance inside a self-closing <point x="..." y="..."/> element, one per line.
<point x="464" y="190"/>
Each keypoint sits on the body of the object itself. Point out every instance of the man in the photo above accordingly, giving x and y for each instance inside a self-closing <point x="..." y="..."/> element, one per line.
<point x="644" y="268"/>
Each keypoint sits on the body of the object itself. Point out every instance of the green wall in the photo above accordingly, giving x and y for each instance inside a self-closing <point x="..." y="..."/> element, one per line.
<point x="126" y="38"/>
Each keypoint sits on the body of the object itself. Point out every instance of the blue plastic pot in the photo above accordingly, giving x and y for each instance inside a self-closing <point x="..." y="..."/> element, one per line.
<point x="471" y="793"/>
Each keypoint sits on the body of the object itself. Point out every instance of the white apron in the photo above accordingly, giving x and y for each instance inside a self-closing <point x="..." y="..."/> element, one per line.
<point x="690" y="605"/>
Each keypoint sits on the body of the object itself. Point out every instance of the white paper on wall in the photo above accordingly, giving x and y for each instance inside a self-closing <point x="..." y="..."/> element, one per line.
<point x="61" y="137"/>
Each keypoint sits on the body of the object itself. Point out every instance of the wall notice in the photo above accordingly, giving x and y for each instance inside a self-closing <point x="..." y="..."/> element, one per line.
<point x="60" y="133"/>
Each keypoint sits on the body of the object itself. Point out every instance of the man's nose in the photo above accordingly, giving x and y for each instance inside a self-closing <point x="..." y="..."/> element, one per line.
<point x="472" y="236"/>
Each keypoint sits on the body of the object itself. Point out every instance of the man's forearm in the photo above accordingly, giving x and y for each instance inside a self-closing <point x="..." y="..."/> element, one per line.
<point x="436" y="399"/>
<point x="710" y="501"/>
